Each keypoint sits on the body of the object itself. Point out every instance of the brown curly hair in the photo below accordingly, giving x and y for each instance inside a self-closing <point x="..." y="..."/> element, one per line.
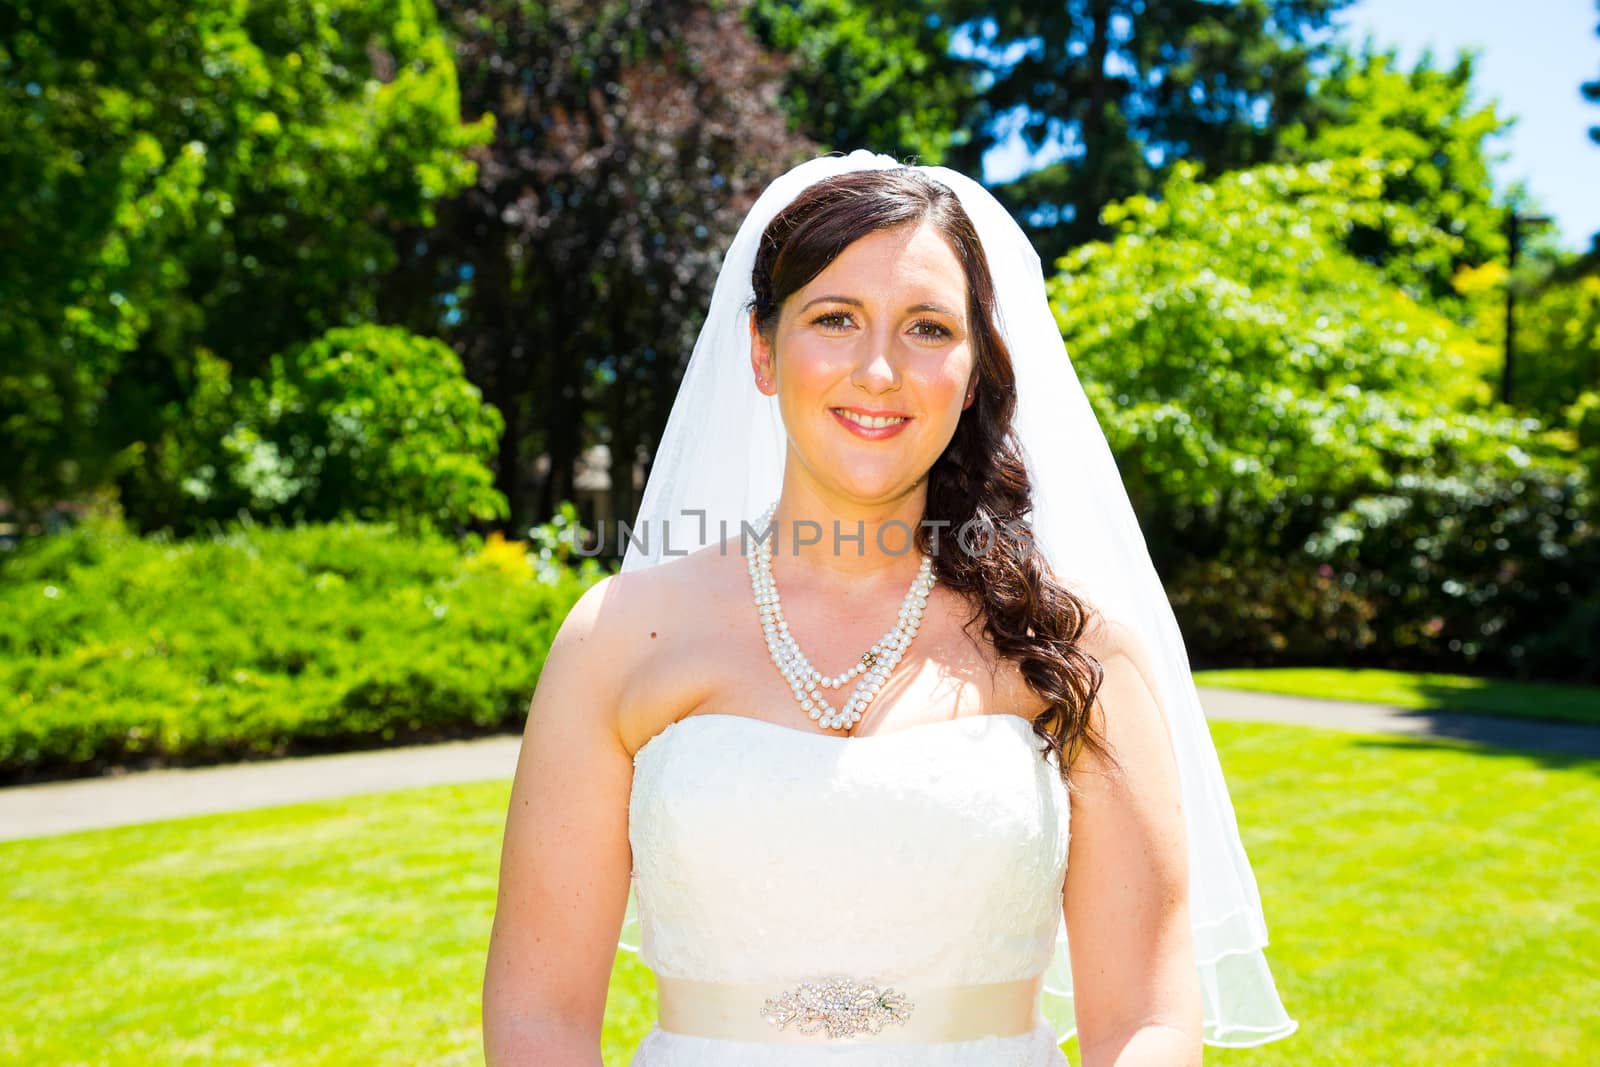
<point x="980" y="481"/>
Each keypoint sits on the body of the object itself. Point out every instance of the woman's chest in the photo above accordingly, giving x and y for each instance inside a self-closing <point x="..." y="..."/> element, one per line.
<point x="712" y="657"/>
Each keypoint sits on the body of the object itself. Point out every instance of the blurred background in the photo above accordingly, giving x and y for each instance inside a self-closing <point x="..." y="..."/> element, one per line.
<point x="336" y="336"/>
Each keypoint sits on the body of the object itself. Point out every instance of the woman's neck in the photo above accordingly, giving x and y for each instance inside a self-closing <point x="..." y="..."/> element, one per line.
<point x="842" y="545"/>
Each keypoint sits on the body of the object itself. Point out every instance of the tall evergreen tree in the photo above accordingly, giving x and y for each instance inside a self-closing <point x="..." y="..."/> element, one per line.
<point x="1591" y="90"/>
<point x="1128" y="87"/>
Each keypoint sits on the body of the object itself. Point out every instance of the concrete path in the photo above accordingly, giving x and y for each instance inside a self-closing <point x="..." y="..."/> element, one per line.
<point x="1573" y="739"/>
<point x="148" y="796"/>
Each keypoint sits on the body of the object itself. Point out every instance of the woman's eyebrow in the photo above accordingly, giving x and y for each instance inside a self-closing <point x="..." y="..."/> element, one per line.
<point x="853" y="302"/>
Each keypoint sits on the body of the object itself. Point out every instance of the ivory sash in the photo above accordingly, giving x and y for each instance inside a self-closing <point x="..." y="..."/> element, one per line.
<point x="732" y="1012"/>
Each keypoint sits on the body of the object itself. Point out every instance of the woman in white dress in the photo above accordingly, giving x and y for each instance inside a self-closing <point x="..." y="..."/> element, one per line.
<point x="1002" y="820"/>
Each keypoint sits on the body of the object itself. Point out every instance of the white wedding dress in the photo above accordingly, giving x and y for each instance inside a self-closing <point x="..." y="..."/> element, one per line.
<point x="766" y="856"/>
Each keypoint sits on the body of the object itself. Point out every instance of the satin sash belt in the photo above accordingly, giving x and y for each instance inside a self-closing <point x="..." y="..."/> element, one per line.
<point x="733" y="1011"/>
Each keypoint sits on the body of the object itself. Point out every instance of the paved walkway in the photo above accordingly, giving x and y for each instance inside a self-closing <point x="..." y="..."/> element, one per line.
<point x="1571" y="739"/>
<point x="148" y="796"/>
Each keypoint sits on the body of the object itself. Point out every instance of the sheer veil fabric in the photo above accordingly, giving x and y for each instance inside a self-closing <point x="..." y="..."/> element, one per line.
<point x="720" y="463"/>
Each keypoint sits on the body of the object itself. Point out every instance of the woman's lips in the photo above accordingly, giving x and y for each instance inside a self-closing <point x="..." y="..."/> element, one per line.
<point x="870" y="433"/>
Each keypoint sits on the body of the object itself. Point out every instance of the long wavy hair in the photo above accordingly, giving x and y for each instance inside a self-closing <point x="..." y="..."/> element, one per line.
<point x="980" y="479"/>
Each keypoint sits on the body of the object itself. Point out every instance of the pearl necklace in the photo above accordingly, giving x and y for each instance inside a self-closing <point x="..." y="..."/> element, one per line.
<point x="806" y="681"/>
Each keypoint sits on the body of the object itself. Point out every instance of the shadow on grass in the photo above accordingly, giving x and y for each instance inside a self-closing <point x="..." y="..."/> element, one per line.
<point x="1537" y="701"/>
<point x="1471" y="739"/>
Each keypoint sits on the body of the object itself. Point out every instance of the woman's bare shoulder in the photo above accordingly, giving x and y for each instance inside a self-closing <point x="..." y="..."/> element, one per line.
<point x="1125" y="712"/>
<point x="623" y="604"/>
<point x="604" y="625"/>
<point x="626" y="632"/>
<point x="1106" y="638"/>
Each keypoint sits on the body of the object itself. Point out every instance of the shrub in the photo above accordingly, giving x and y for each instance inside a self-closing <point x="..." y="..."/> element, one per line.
<point x="1276" y="405"/>
<point x="116" y="650"/>
<point x="369" y="422"/>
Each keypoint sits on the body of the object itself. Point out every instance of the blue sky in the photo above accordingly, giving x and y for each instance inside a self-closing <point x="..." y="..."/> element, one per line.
<point x="1533" y="55"/>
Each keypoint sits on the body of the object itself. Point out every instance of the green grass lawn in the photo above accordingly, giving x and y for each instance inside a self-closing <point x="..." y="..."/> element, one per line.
<point x="1401" y="689"/>
<point x="1429" y="904"/>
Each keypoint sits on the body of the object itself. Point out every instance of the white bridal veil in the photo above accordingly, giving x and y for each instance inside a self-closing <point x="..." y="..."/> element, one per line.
<point x="720" y="463"/>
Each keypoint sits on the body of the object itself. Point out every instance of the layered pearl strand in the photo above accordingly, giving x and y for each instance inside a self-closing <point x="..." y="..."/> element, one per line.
<point x="805" y="681"/>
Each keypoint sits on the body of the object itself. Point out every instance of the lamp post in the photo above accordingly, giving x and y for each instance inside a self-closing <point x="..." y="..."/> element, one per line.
<point x="1514" y="224"/>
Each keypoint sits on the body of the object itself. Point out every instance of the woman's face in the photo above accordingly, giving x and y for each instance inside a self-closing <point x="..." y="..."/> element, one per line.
<point x="882" y="331"/>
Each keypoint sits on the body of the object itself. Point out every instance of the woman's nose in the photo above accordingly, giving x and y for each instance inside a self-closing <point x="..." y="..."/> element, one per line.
<point x="878" y="367"/>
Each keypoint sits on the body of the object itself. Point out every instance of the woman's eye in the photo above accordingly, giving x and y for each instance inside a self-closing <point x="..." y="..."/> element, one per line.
<point x="840" y="320"/>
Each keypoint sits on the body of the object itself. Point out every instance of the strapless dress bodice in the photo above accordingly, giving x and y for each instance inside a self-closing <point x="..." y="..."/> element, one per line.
<point x="769" y="856"/>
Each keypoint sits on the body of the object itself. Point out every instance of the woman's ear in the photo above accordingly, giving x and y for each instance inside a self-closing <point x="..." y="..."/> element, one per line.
<point x="761" y="361"/>
<point x="972" y="389"/>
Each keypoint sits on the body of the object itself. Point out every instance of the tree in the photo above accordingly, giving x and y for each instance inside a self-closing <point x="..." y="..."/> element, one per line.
<point x="629" y="141"/>
<point x="371" y="423"/>
<point x="1128" y="88"/>
<point x="1424" y="121"/>
<point x="1591" y="92"/>
<point x="1590" y="261"/>
<point x="1240" y="361"/>
<point x="871" y="74"/>
<point x="1558" y="334"/>
<point x="1293" y="427"/>
<point x="201" y="177"/>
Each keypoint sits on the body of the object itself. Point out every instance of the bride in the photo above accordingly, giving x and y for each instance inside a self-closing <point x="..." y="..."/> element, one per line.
<point x="884" y="737"/>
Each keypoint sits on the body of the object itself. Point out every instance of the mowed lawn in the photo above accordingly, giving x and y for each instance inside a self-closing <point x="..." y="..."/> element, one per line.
<point x="1422" y="691"/>
<point x="1428" y="904"/>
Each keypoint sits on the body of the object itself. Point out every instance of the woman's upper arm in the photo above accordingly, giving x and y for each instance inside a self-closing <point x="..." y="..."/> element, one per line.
<point x="565" y="860"/>
<point x="1126" y="899"/>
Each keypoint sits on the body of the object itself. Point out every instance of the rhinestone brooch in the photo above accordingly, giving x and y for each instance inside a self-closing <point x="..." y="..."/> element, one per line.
<point x="843" y="1007"/>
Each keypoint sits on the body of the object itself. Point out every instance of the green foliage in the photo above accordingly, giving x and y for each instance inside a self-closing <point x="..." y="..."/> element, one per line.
<point x="199" y="176"/>
<point x="1122" y="90"/>
<point x="1254" y="606"/>
<point x="870" y="74"/>
<point x="1489" y="555"/>
<point x="1584" y="417"/>
<point x="1558" y="348"/>
<point x="369" y="422"/>
<point x="630" y="139"/>
<point x="1240" y="361"/>
<point x="1299" y="439"/>
<point x="260" y="642"/>
<point x="557" y="547"/>
<point x="1591" y="93"/>
<point x="1424" y="122"/>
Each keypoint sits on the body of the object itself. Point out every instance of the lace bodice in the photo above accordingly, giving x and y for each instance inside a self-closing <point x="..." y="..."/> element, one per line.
<point x="767" y="854"/>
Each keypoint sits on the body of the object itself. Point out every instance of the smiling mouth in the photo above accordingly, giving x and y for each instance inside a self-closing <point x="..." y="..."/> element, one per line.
<point x="871" y="422"/>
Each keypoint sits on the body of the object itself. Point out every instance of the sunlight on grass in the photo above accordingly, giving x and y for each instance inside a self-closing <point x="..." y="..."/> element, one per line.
<point x="1428" y="904"/>
<point x="1401" y="689"/>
